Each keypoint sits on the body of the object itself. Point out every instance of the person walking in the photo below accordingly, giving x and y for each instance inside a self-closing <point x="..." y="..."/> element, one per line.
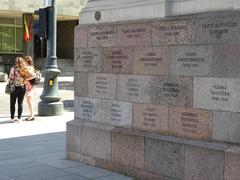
<point x="30" y="88"/>
<point x="17" y="77"/>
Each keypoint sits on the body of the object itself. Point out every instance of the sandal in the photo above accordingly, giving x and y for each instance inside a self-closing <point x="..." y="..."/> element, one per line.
<point x="30" y="119"/>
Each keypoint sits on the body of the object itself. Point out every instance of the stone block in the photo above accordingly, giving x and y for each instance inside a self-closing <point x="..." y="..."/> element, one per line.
<point x="73" y="137"/>
<point x="88" y="60"/>
<point x="102" y="85"/>
<point x="221" y="28"/>
<point x="88" y="109"/>
<point x="140" y="174"/>
<point x="203" y="163"/>
<point x="191" y="60"/>
<point x="96" y="142"/>
<point x="173" y="32"/>
<point x="165" y="158"/>
<point x="80" y="37"/>
<point x="232" y="163"/>
<point x="190" y="123"/>
<point x="217" y="94"/>
<point x="117" y="60"/>
<point x="80" y="84"/>
<point x="172" y="91"/>
<point x="149" y="117"/>
<point x="134" y="34"/>
<point x="226" y="126"/>
<point x="117" y="113"/>
<point x="151" y="60"/>
<point x="128" y="149"/>
<point x="133" y="88"/>
<point x="102" y="36"/>
<point x="226" y="61"/>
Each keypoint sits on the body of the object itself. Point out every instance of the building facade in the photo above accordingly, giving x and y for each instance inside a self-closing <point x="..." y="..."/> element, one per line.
<point x="12" y="28"/>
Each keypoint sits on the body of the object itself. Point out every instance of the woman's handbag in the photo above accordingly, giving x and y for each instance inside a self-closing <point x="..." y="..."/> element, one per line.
<point x="10" y="88"/>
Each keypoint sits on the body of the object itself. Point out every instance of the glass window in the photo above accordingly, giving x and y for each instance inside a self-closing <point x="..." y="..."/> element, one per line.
<point x="8" y="39"/>
<point x="19" y="42"/>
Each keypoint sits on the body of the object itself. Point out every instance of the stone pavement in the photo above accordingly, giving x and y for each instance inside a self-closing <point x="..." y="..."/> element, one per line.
<point x="36" y="150"/>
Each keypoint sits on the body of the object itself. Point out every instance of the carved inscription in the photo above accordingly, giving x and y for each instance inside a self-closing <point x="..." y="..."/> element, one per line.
<point x="192" y="123"/>
<point x="191" y="60"/>
<point x="219" y="29"/>
<point x="133" y="87"/>
<point x="173" y="32"/>
<point x="149" y="117"/>
<point x="134" y="34"/>
<point x="102" y="36"/>
<point x="87" y="110"/>
<point x="171" y="91"/>
<point x="189" y="122"/>
<point x="117" y="60"/>
<point x="101" y="85"/>
<point x="220" y="92"/>
<point x="116" y="112"/>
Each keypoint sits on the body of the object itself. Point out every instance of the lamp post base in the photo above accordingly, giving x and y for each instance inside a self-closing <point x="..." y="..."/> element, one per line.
<point x="50" y="109"/>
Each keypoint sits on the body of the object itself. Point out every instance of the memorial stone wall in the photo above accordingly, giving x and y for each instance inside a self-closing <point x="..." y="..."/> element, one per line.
<point x="159" y="99"/>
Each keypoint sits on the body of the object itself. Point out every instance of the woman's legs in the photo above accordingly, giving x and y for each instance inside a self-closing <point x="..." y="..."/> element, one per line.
<point x="13" y="99"/>
<point x="21" y="94"/>
<point x="30" y="105"/>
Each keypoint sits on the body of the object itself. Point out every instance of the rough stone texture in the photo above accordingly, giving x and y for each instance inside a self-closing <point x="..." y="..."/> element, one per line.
<point x="165" y="158"/>
<point x="217" y="94"/>
<point x="117" y="113"/>
<point x="96" y="142"/>
<point x="149" y="118"/>
<point x="191" y="60"/>
<point x="140" y="174"/>
<point x="173" y="32"/>
<point x="117" y="60"/>
<point x="232" y="163"/>
<point x="128" y="149"/>
<point x="151" y="60"/>
<point x="80" y="37"/>
<point x="102" y="85"/>
<point x="102" y="36"/>
<point x="226" y="61"/>
<point x="190" y="123"/>
<point x="133" y="88"/>
<point x="218" y="29"/>
<point x="203" y="163"/>
<point x="88" y="60"/>
<point x="134" y="34"/>
<point x="172" y="91"/>
<point x="80" y="84"/>
<point x="88" y="109"/>
<point x="226" y="126"/>
<point x="73" y="137"/>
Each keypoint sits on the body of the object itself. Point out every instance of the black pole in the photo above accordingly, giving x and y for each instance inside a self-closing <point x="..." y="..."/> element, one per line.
<point x="50" y="104"/>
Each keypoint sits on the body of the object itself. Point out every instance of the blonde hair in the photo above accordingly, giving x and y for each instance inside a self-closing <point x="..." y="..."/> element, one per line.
<point x="19" y="62"/>
<point x="28" y="60"/>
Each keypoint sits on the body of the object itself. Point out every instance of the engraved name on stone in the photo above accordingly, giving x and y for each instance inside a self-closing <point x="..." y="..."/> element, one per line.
<point x="189" y="122"/>
<point x="102" y="36"/>
<point x="191" y="60"/>
<point x="218" y="29"/>
<point x="171" y="91"/>
<point x="153" y="60"/>
<point x="117" y="60"/>
<point x="217" y="94"/>
<point x="89" y="60"/>
<point x="134" y="34"/>
<point x="117" y="113"/>
<point x="173" y="32"/>
<point x="102" y="85"/>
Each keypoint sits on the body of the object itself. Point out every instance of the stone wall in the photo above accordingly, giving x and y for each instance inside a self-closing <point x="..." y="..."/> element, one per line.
<point x="159" y="99"/>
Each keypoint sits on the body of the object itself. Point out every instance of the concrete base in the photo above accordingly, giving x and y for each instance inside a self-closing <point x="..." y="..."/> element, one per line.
<point x="50" y="109"/>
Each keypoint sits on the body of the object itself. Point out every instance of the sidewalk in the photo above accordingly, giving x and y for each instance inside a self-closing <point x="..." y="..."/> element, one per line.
<point x="36" y="150"/>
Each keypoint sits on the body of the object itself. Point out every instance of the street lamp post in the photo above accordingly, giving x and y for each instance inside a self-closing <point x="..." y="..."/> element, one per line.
<point x="50" y="104"/>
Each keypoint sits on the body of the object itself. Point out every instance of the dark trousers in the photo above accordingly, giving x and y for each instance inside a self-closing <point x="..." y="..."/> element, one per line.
<point x="18" y="96"/>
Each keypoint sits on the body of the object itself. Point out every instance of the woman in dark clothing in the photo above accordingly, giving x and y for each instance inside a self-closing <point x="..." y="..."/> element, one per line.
<point x="17" y="77"/>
